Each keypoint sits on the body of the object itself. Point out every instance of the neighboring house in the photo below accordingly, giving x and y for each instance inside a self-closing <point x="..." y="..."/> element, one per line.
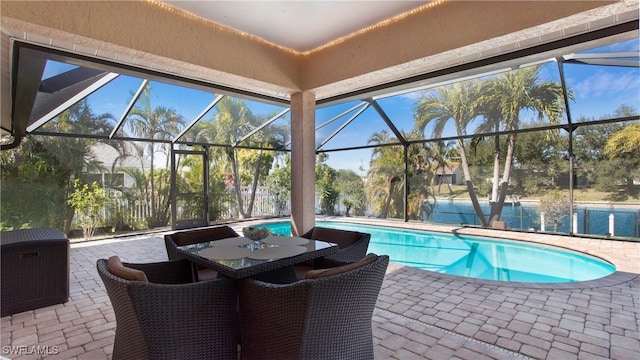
<point x="111" y="160"/>
<point x="452" y="175"/>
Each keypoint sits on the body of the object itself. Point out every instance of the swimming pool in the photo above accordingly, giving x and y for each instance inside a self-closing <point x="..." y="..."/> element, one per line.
<point x="475" y="257"/>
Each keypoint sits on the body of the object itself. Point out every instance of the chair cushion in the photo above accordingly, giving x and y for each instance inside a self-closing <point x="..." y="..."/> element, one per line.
<point x="343" y="238"/>
<point x="114" y="265"/>
<point x="207" y="274"/>
<point x="319" y="273"/>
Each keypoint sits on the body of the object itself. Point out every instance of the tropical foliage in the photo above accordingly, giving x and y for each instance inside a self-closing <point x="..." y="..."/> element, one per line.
<point x="496" y="129"/>
<point x="158" y="123"/>
<point x="89" y="200"/>
<point x="34" y="187"/>
<point x="623" y="149"/>
<point x="279" y="181"/>
<point x="37" y="177"/>
<point x="386" y="184"/>
<point x="326" y="188"/>
<point x="607" y="155"/>
<point x="497" y="103"/>
<point x="245" y="165"/>
<point x="351" y="187"/>
<point x="444" y="155"/>
<point x="385" y="176"/>
<point x="455" y="104"/>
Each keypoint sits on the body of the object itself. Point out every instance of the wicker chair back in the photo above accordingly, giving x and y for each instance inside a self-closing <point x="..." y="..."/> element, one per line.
<point x="353" y="245"/>
<point x="327" y="318"/>
<point x="171" y="317"/>
<point x="188" y="237"/>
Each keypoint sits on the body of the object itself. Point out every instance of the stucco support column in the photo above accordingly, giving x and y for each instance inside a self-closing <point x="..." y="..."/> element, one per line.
<point x="303" y="161"/>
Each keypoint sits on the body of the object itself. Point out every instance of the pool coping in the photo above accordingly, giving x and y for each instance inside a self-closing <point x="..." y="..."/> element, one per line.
<point x="624" y="255"/>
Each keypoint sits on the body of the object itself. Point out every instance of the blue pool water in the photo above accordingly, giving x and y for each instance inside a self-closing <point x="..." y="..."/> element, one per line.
<point x="475" y="257"/>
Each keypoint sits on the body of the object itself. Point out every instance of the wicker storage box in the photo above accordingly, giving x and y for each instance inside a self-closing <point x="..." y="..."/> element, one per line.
<point x="35" y="269"/>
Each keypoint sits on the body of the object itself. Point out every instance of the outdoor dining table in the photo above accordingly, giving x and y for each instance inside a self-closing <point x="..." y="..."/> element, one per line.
<point x="241" y="257"/>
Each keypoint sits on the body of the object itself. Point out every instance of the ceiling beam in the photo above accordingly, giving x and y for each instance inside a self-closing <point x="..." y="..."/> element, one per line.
<point x="26" y="77"/>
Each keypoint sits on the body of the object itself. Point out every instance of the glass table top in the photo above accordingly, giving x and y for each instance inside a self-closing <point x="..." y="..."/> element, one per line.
<point x="242" y="252"/>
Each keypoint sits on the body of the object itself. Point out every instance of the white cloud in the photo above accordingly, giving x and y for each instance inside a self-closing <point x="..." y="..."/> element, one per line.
<point x="413" y="96"/>
<point x="603" y="83"/>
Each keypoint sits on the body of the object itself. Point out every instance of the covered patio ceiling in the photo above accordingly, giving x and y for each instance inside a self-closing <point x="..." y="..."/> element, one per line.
<point x="433" y="42"/>
<point x="320" y="22"/>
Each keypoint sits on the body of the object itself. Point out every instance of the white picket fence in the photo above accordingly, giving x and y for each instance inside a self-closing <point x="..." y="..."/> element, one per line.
<point x="134" y="212"/>
<point x="264" y="203"/>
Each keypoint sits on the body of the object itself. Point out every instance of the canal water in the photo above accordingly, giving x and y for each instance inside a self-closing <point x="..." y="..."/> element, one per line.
<point x="591" y="220"/>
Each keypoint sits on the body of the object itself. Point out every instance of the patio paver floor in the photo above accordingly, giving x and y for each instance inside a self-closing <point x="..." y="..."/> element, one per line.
<point x="419" y="315"/>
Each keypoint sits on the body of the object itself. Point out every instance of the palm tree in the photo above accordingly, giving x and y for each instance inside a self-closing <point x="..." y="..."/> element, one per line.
<point x="233" y="120"/>
<point x="453" y="103"/>
<point x="421" y="199"/>
<point x="492" y="114"/>
<point x="500" y="101"/>
<point x="269" y="137"/>
<point x="442" y="153"/>
<point x="503" y="99"/>
<point x="385" y="177"/>
<point x="384" y="169"/>
<point x="158" y="123"/>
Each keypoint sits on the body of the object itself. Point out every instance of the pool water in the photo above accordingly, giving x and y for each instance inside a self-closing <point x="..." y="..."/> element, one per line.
<point x="475" y="257"/>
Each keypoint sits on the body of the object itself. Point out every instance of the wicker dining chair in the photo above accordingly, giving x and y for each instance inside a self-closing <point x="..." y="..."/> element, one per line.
<point x="161" y="314"/>
<point x="324" y="317"/>
<point x="188" y="237"/>
<point x="352" y="245"/>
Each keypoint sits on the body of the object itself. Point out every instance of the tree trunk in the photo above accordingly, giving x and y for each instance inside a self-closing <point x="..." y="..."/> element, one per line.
<point x="236" y="182"/>
<point x="496" y="208"/>
<point x="152" y="199"/>
<point x="387" y="201"/>
<point x="440" y="182"/>
<point x="144" y="183"/>
<point x="165" y="202"/>
<point x="470" y="188"/>
<point x="496" y="170"/>
<point x="629" y="181"/>
<point x="68" y="219"/>
<point x="254" y="186"/>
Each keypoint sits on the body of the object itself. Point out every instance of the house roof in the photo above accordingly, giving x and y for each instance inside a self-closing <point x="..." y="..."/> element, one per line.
<point x="449" y="169"/>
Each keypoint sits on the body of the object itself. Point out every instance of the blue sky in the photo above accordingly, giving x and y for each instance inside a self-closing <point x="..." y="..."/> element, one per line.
<point x="599" y="90"/>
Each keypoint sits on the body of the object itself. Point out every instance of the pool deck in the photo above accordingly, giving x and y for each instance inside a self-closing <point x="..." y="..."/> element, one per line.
<point x="419" y="314"/>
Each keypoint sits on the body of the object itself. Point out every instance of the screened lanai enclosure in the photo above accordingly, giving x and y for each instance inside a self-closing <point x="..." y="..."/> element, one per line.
<point x="545" y="139"/>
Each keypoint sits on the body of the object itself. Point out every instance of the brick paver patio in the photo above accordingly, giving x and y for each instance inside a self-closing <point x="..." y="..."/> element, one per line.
<point x="419" y="315"/>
